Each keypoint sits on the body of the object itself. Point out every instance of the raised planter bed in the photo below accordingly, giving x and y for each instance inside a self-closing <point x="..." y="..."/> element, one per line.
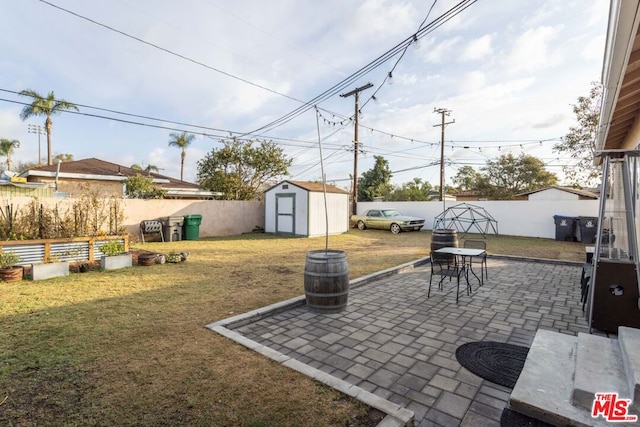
<point x="115" y="262"/>
<point x="50" y="270"/>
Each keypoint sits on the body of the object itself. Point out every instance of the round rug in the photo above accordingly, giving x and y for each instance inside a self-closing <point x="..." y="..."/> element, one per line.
<point x="497" y="362"/>
<point x="511" y="418"/>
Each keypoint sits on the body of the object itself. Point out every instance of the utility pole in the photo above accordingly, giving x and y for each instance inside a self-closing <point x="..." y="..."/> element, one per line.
<point x="36" y="129"/>
<point x="443" y="112"/>
<point x="356" y="92"/>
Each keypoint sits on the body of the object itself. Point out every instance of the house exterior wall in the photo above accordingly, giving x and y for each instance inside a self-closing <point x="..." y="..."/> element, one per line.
<point x="338" y="214"/>
<point x="75" y="187"/>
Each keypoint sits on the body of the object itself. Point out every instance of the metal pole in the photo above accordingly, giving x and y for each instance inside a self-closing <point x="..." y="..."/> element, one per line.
<point x="599" y="228"/>
<point x="355" y="156"/>
<point x="443" y="112"/>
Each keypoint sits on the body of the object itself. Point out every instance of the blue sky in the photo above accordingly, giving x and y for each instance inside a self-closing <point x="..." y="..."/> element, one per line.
<point x="508" y="70"/>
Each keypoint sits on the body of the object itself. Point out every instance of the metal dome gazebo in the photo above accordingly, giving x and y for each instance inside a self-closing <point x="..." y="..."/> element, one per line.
<point x="465" y="217"/>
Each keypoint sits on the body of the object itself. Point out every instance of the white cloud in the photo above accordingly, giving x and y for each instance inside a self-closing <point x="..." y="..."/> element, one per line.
<point x="382" y="19"/>
<point x="440" y="51"/>
<point x="477" y="49"/>
<point x="473" y="82"/>
<point x="593" y="49"/>
<point x="533" y="50"/>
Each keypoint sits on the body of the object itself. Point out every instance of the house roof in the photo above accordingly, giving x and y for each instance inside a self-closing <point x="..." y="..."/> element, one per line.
<point x="312" y="186"/>
<point x="618" y="127"/>
<point x="101" y="170"/>
<point x="582" y="193"/>
<point x="93" y="168"/>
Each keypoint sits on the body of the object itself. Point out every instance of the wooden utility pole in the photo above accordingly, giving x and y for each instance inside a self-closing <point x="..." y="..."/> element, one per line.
<point x="356" y="92"/>
<point x="443" y="112"/>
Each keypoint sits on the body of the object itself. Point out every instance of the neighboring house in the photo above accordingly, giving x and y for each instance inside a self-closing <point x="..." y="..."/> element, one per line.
<point x="106" y="179"/>
<point x="557" y="193"/>
<point x="13" y="186"/>
<point x="467" y="196"/>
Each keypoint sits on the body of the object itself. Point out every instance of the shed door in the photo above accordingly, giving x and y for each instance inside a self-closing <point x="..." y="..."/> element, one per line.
<point x="285" y="213"/>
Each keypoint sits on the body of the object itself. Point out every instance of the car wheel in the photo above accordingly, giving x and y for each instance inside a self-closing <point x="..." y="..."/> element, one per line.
<point x="361" y="225"/>
<point x="395" y="228"/>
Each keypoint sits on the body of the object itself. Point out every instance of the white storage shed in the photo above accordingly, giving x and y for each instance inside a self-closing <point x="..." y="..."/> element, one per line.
<point x="297" y="208"/>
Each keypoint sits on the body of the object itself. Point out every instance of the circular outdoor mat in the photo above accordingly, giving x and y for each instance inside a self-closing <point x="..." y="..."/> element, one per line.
<point x="497" y="362"/>
<point x="511" y="418"/>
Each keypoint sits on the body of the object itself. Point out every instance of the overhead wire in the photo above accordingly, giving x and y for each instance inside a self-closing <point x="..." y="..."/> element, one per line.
<point x="336" y="88"/>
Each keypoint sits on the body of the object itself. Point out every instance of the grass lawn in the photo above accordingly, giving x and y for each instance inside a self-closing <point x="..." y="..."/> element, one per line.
<point x="129" y="347"/>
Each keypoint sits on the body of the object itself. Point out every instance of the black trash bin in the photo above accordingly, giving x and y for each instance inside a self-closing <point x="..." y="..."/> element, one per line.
<point x="192" y="227"/>
<point x="587" y="226"/>
<point x="565" y="228"/>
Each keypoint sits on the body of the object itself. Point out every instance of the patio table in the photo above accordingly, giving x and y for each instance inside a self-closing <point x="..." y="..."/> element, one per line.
<point x="466" y="256"/>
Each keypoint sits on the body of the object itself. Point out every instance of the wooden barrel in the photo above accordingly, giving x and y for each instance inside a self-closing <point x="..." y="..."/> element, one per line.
<point x="442" y="238"/>
<point x="326" y="281"/>
<point x="147" y="259"/>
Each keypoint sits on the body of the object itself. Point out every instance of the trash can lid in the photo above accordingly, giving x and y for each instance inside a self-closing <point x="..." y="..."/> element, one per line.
<point x="193" y="216"/>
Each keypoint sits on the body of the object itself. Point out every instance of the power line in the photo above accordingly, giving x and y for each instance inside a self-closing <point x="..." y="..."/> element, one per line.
<point x="340" y="86"/>
<point x="170" y="52"/>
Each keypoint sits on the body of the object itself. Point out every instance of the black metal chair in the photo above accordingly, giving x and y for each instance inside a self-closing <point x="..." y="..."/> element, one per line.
<point x="445" y="267"/>
<point x="478" y="244"/>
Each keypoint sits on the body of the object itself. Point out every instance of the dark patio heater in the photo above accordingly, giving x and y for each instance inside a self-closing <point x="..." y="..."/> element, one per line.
<point x="614" y="298"/>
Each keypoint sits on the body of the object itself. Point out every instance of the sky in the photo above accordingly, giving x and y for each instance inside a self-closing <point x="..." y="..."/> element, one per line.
<point x="507" y="72"/>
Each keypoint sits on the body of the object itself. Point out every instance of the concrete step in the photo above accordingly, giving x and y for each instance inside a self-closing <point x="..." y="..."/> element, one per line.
<point x="599" y="368"/>
<point x="629" y="341"/>
<point x="545" y="386"/>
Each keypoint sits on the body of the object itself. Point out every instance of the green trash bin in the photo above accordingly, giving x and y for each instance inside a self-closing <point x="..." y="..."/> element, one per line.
<point x="191" y="227"/>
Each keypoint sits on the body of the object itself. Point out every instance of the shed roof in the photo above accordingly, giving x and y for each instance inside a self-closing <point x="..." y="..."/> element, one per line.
<point x="315" y="187"/>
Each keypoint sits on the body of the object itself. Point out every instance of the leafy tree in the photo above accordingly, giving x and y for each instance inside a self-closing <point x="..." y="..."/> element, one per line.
<point x="375" y="181"/>
<point x="6" y="149"/>
<point x="467" y="178"/>
<point x="416" y="190"/>
<point x="580" y="142"/>
<point x="142" y="187"/>
<point x="239" y="169"/>
<point x="507" y="176"/>
<point x="45" y="106"/>
<point x="182" y="141"/>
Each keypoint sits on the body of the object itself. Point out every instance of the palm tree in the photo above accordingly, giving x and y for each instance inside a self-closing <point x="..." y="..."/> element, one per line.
<point x="45" y="106"/>
<point x="147" y="169"/>
<point x="182" y="140"/>
<point x="64" y="157"/>
<point x="6" y="148"/>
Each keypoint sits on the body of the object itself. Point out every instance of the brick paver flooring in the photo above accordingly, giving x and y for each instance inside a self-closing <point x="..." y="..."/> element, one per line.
<point x="400" y="345"/>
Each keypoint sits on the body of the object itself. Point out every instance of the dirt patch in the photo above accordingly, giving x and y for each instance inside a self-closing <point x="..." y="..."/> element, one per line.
<point x="371" y="419"/>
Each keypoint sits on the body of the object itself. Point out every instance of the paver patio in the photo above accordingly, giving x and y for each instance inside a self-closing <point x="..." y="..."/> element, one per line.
<point x="398" y="344"/>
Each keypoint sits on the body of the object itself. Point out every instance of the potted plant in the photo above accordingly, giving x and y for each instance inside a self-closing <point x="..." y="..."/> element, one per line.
<point x="55" y="267"/>
<point x="114" y="256"/>
<point x="9" y="272"/>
